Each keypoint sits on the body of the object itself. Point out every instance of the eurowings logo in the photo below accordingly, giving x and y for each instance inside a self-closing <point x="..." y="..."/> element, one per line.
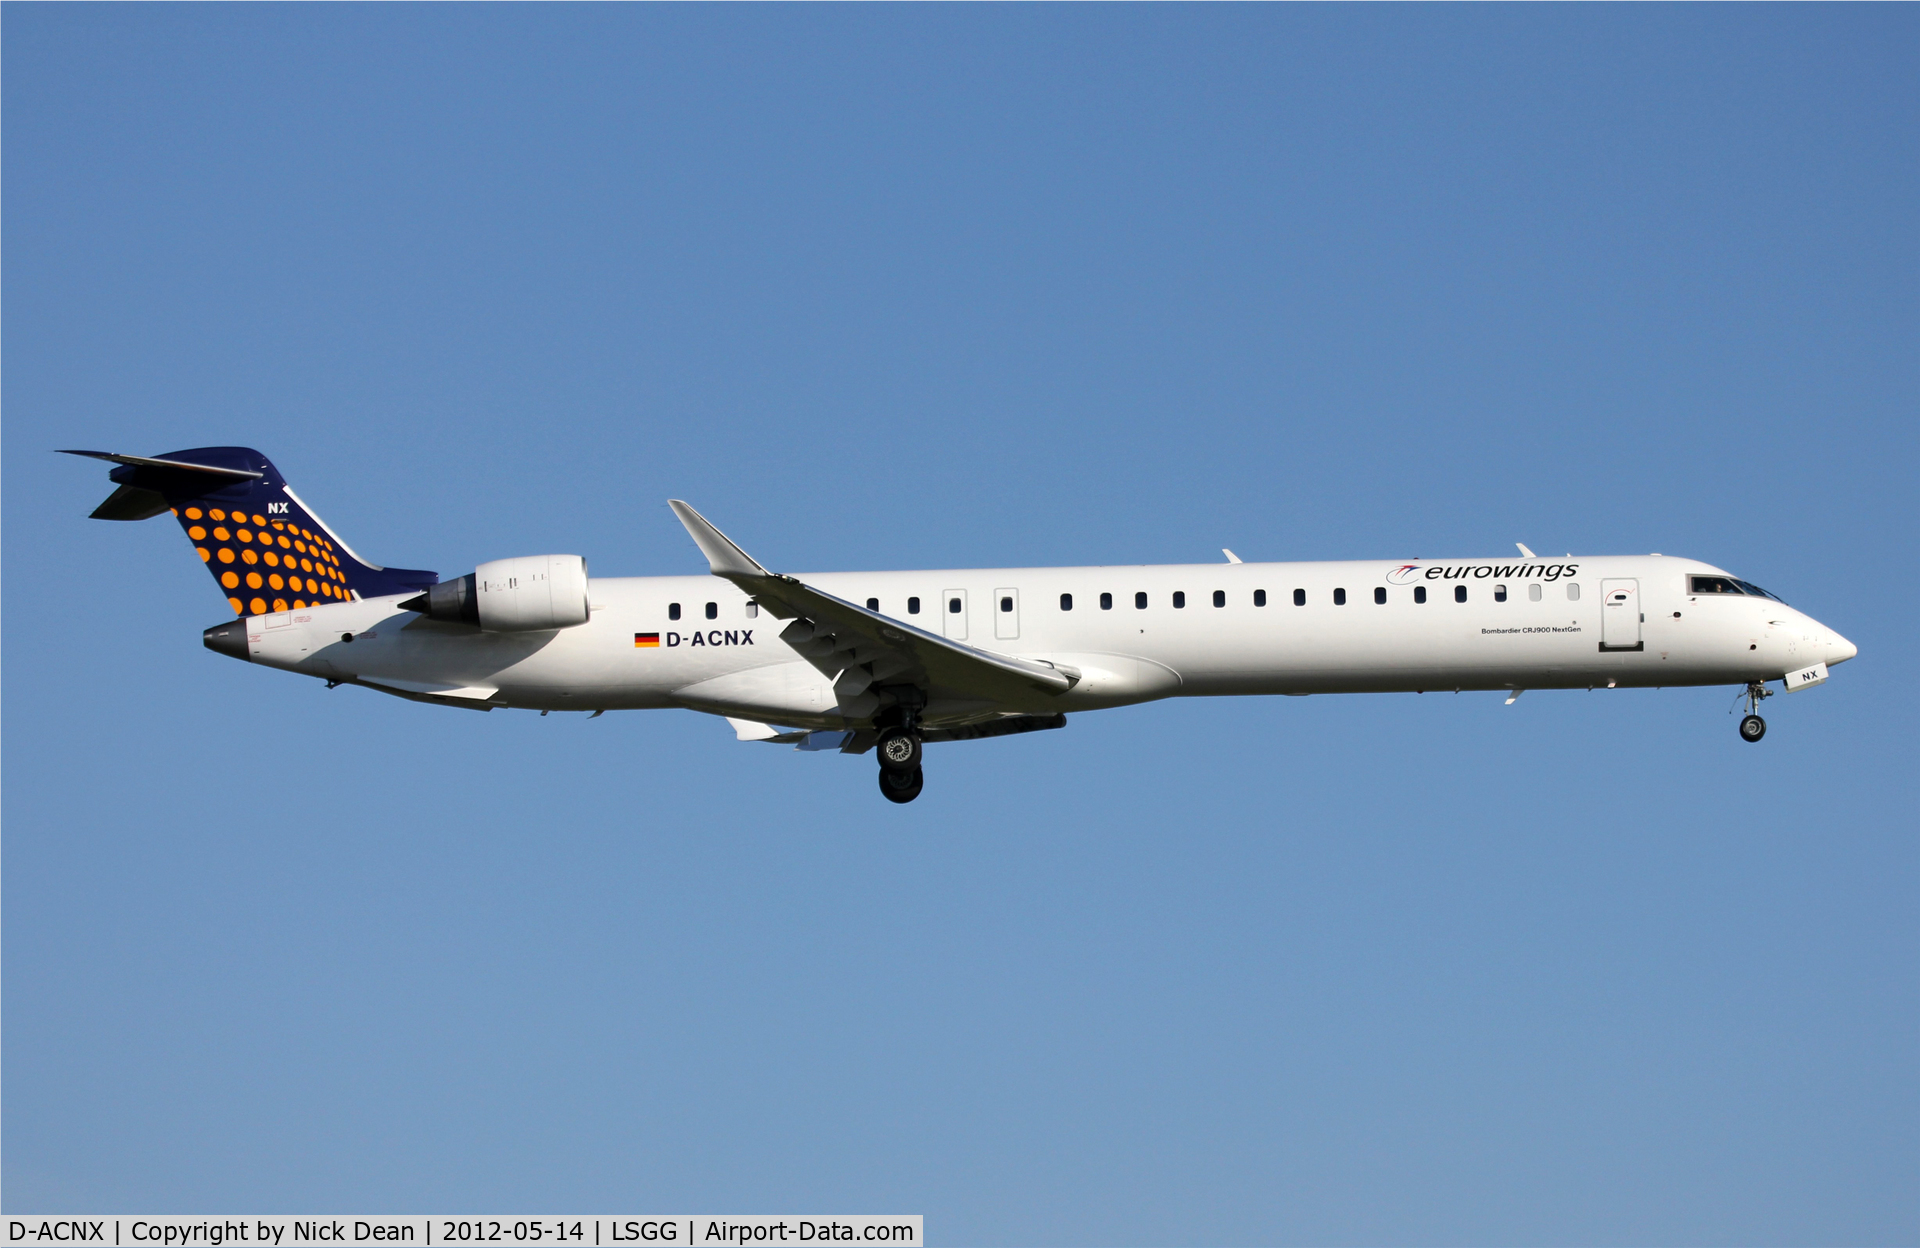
<point x="1405" y="574"/>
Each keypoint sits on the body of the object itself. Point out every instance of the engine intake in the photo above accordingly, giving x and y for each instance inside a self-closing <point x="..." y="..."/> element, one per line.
<point x="522" y="595"/>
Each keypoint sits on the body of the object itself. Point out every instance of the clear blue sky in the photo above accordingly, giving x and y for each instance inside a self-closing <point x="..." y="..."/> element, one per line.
<point x="885" y="287"/>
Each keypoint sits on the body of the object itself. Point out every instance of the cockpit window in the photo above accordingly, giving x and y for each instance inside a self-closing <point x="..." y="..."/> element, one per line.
<point x="1728" y="585"/>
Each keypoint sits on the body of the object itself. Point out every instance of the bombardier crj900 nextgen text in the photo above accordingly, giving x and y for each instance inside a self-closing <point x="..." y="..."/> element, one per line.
<point x="891" y="660"/>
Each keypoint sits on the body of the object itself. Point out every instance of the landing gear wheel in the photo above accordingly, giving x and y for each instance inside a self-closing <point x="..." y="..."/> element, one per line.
<point x="901" y="786"/>
<point x="1752" y="728"/>
<point x="899" y="750"/>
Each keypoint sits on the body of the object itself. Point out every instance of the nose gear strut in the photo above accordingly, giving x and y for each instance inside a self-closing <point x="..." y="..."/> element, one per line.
<point x="1752" y="727"/>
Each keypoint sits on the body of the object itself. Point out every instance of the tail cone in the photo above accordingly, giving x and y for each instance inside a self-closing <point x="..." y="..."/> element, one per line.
<point x="229" y="639"/>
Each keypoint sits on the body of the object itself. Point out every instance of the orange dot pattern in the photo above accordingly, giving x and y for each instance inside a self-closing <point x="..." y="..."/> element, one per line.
<point x="311" y="566"/>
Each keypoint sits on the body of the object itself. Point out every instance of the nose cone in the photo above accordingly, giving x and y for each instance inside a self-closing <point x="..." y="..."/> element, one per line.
<point x="1839" y="649"/>
<point x="229" y="639"/>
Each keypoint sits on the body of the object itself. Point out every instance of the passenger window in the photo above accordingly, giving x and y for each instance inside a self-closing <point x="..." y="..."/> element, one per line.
<point x="1140" y="602"/>
<point x="1533" y="592"/>
<point x="953" y="606"/>
<point x="1219" y="597"/>
<point x="1573" y="592"/>
<point x="1299" y="597"/>
<point x="873" y="604"/>
<point x="1419" y="593"/>
<point x="1259" y="597"/>
<point x="913" y="606"/>
<point x="1006" y="604"/>
<point x="1106" y="602"/>
<point x="1179" y="600"/>
<point x="753" y="609"/>
<point x="1066" y="602"/>
<point x="1339" y="597"/>
<point x="1380" y="594"/>
<point x="673" y="610"/>
<point x="1499" y="593"/>
<point x="713" y="610"/>
<point x="1459" y="593"/>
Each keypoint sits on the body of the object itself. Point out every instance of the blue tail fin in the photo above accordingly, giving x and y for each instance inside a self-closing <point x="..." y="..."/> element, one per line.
<point x="266" y="550"/>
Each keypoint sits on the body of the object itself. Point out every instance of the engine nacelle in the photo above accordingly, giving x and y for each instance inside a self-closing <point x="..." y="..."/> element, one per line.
<point x="512" y="595"/>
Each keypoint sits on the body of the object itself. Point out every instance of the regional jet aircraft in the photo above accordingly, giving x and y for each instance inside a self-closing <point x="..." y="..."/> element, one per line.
<point x="892" y="661"/>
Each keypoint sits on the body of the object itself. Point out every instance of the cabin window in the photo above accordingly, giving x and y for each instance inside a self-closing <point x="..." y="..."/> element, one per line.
<point x="873" y="604"/>
<point x="673" y="610"/>
<point x="1419" y="593"/>
<point x="1219" y="597"/>
<point x="1339" y="597"/>
<point x="1179" y="600"/>
<point x="1139" y="602"/>
<point x="913" y="606"/>
<point x="1380" y="594"/>
<point x="753" y="609"/>
<point x="953" y="606"/>
<point x="713" y="610"/>
<point x="1066" y="602"/>
<point x="1106" y="602"/>
<point x="1533" y="592"/>
<point x="1259" y="597"/>
<point x="1459" y="593"/>
<point x="1573" y="592"/>
<point x="1006" y="605"/>
<point x="1499" y="593"/>
<point x="1299" y="597"/>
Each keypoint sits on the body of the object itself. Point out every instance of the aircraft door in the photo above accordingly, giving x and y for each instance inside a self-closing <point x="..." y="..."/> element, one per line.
<point x="1620" y="615"/>
<point x="953" y="613"/>
<point x="1006" y="614"/>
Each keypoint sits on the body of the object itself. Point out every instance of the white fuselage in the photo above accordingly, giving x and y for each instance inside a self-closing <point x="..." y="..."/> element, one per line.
<point x="1559" y="624"/>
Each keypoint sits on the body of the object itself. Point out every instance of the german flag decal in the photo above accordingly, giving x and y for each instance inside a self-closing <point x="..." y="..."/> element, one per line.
<point x="646" y="640"/>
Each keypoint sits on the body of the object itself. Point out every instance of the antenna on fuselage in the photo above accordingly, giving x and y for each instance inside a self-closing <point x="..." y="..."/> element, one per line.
<point x="1523" y="550"/>
<point x="1231" y="557"/>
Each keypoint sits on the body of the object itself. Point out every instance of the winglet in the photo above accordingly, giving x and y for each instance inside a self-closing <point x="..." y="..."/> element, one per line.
<point x="1523" y="550"/>
<point x="725" y="558"/>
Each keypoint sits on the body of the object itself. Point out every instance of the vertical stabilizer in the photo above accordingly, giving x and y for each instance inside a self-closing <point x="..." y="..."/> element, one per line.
<point x="265" y="548"/>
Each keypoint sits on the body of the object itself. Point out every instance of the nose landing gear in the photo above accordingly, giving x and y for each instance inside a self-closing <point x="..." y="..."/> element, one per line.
<point x="1752" y="727"/>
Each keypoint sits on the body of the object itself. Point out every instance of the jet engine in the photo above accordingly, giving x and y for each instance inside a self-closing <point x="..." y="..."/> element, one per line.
<point x="512" y="595"/>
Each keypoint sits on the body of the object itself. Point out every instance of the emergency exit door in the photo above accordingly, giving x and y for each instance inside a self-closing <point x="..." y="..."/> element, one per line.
<point x="1006" y="614"/>
<point x="1620" y="615"/>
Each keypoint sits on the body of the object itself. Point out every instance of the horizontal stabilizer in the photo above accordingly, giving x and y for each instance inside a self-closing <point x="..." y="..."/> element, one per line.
<point x="146" y="461"/>
<point x="130" y="502"/>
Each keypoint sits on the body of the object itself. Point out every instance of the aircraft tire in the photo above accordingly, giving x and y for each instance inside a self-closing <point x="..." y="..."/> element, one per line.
<point x="899" y="750"/>
<point x="901" y="786"/>
<point x="1752" y="728"/>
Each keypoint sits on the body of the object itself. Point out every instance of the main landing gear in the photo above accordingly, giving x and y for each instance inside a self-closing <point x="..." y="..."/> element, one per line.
<point x="900" y="777"/>
<point x="1752" y="727"/>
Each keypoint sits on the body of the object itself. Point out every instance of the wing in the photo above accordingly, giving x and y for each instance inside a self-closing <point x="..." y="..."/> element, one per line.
<point x="862" y="648"/>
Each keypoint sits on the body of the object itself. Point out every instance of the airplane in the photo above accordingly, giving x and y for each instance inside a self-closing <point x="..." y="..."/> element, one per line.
<point x="894" y="661"/>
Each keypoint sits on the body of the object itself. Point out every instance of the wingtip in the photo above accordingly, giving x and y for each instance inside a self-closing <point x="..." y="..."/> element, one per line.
<point x="724" y="556"/>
